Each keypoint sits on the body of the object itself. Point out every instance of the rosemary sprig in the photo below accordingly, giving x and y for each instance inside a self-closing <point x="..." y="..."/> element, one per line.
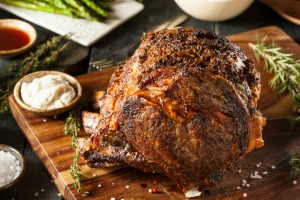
<point x="72" y="128"/>
<point x="284" y="66"/>
<point x="45" y="54"/>
<point x="295" y="165"/>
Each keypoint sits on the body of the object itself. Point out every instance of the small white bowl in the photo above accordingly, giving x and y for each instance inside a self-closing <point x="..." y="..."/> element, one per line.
<point x="22" y="26"/>
<point x="214" y="10"/>
<point x="47" y="112"/>
<point x="19" y="156"/>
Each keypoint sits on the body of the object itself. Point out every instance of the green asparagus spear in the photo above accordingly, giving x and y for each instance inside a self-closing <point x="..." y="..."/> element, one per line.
<point x="63" y="5"/>
<point x="40" y="7"/>
<point x="88" y="9"/>
<point x="84" y="13"/>
<point x="57" y="3"/>
<point x="92" y="5"/>
<point x="104" y="5"/>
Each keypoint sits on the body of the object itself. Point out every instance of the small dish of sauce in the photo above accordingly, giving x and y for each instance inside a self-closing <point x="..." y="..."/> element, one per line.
<point x="12" y="38"/>
<point x="16" y="37"/>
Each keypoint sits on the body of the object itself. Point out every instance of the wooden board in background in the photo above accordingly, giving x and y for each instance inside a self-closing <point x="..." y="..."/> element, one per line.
<point x="54" y="148"/>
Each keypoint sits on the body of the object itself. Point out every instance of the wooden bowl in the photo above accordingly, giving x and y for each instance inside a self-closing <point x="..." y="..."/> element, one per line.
<point x="21" y="159"/>
<point x="47" y="112"/>
<point x="12" y="31"/>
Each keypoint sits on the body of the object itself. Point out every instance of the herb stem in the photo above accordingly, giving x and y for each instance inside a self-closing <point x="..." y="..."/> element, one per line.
<point x="295" y="165"/>
<point x="72" y="128"/>
<point x="284" y="66"/>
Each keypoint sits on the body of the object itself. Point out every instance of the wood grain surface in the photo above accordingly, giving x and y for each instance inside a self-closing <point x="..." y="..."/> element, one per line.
<point x="54" y="148"/>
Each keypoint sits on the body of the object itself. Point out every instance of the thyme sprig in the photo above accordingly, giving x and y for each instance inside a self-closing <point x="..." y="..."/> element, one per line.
<point x="45" y="54"/>
<point x="72" y="128"/>
<point x="284" y="66"/>
<point x="294" y="162"/>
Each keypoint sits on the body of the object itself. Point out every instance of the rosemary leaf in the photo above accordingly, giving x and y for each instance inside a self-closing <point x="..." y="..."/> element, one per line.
<point x="284" y="66"/>
<point x="45" y="54"/>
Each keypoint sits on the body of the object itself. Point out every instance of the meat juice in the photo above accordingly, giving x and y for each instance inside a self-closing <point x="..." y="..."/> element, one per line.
<point x="12" y="38"/>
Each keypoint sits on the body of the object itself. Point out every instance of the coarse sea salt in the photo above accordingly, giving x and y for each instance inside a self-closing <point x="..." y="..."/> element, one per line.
<point x="273" y="167"/>
<point x="10" y="168"/>
<point x="256" y="175"/>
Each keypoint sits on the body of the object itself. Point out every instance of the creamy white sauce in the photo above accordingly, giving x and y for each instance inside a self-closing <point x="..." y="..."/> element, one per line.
<point x="47" y="92"/>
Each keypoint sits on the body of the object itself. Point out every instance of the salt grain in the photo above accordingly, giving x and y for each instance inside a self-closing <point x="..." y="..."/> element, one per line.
<point x="42" y="190"/>
<point x="248" y="185"/>
<point x="238" y="187"/>
<point x="94" y="175"/>
<point x="113" y="198"/>
<point x="240" y="171"/>
<point x="294" y="182"/>
<point x="9" y="168"/>
<point x="36" y="194"/>
<point x="44" y="120"/>
<point x="59" y="194"/>
<point x="256" y="175"/>
<point x="244" y="182"/>
<point x="99" y="185"/>
<point x="150" y="190"/>
<point x="265" y="172"/>
<point x="245" y="195"/>
<point x="273" y="166"/>
<point x="127" y="186"/>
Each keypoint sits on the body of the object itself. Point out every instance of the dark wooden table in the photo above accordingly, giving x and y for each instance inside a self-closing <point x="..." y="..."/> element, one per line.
<point x="36" y="183"/>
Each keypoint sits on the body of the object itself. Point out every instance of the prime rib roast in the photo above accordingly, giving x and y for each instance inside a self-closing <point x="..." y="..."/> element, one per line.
<point x="183" y="105"/>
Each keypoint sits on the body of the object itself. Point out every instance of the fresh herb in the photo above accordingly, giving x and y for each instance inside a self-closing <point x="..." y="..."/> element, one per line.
<point x="72" y="128"/>
<point x="87" y="9"/>
<point x="284" y="66"/>
<point x="295" y="165"/>
<point x="45" y="54"/>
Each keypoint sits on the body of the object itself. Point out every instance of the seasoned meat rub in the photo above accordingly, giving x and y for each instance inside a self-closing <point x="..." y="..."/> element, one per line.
<point x="183" y="105"/>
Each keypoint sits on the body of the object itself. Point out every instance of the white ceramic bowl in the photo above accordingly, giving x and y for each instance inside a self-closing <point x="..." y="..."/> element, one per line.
<point x="214" y="10"/>
<point x="22" y="26"/>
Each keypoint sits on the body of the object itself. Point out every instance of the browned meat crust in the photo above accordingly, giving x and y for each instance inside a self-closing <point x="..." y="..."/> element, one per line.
<point x="183" y="105"/>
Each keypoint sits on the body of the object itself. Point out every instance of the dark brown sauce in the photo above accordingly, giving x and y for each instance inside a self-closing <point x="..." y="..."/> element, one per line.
<point x="12" y="38"/>
<point x="143" y="185"/>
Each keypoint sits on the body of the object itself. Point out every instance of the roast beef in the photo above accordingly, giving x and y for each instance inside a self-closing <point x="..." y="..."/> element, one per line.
<point x="184" y="105"/>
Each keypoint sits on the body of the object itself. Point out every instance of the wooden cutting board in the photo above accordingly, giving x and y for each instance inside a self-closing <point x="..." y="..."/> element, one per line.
<point x="54" y="148"/>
